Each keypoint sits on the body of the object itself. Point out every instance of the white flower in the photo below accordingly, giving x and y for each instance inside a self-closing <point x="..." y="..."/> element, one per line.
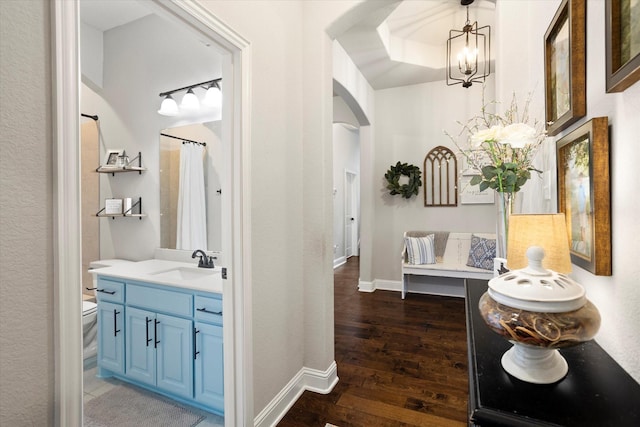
<point x="491" y="134"/>
<point x="517" y="135"/>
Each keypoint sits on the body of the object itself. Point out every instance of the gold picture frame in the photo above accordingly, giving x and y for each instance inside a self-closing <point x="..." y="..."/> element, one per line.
<point x="565" y="67"/>
<point x="584" y="194"/>
<point x="622" y="44"/>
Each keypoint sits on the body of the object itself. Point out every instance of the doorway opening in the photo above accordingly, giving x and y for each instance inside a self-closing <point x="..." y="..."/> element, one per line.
<point x="67" y="228"/>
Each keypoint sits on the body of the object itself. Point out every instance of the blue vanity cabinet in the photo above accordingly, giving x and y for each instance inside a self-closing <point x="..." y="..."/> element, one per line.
<point x="141" y="345"/>
<point x="208" y="352"/>
<point x="169" y="340"/>
<point x="110" y="297"/>
<point x="158" y="343"/>
<point x="110" y="337"/>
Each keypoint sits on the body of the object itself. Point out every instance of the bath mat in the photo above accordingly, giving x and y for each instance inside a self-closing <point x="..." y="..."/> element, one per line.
<point x="130" y="406"/>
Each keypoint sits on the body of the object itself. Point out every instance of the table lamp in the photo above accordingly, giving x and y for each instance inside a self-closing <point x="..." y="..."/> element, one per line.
<point x="536" y="306"/>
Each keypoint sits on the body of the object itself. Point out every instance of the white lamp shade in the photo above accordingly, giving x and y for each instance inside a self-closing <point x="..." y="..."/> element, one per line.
<point x="190" y="101"/>
<point x="213" y="97"/>
<point x="169" y="107"/>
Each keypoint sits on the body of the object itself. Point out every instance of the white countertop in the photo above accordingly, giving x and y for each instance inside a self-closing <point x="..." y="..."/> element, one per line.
<point x="153" y="271"/>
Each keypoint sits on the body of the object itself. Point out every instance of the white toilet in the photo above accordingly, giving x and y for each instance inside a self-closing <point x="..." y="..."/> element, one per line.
<point x="90" y="312"/>
<point x="89" y="329"/>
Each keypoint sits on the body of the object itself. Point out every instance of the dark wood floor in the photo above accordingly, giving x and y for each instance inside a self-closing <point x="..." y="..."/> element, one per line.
<point x="400" y="363"/>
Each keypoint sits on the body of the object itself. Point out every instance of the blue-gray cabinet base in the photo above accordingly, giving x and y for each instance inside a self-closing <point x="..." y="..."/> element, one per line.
<point x="165" y="339"/>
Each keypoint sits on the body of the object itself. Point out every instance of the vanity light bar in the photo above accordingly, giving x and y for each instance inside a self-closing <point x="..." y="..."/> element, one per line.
<point x="204" y="85"/>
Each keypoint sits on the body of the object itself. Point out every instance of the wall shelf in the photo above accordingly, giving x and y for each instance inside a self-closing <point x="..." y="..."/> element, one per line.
<point x="130" y="167"/>
<point x="128" y="213"/>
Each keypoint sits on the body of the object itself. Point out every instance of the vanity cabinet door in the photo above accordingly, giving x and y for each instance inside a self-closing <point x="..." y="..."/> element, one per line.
<point x="141" y="345"/>
<point x="111" y="337"/>
<point x="174" y="356"/>
<point x="209" y="365"/>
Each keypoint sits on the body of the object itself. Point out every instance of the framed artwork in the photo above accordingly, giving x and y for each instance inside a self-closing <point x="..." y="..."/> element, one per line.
<point x="622" y="30"/>
<point x="584" y="194"/>
<point x="471" y="194"/>
<point x="113" y="206"/>
<point x="565" y="77"/>
<point x="111" y="158"/>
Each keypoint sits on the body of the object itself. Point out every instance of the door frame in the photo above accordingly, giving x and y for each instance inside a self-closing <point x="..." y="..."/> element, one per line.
<point x="355" y="250"/>
<point x="65" y="31"/>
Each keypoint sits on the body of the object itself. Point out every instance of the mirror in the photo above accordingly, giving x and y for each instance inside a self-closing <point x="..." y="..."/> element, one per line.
<point x="171" y="141"/>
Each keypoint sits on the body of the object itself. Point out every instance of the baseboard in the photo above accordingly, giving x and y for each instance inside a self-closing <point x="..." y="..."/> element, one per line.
<point x="306" y="379"/>
<point x="440" y="286"/>
<point x="365" y="286"/>
<point x="339" y="261"/>
<point x="388" y="285"/>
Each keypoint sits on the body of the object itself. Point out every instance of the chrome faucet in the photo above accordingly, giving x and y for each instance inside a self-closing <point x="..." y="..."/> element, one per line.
<point x="205" y="261"/>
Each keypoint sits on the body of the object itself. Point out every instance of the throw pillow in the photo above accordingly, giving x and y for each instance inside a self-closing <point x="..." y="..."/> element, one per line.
<point x="420" y="250"/>
<point x="482" y="252"/>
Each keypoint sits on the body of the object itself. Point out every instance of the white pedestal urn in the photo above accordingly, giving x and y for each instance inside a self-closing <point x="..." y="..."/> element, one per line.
<point x="539" y="311"/>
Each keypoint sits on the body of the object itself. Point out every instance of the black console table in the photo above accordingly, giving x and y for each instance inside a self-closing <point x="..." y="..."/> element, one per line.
<point x="596" y="391"/>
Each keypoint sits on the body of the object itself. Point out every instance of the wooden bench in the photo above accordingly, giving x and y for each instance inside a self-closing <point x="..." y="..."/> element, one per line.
<point x="453" y="261"/>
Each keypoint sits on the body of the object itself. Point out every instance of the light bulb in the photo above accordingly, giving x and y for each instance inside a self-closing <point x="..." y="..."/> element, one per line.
<point x="169" y="107"/>
<point x="190" y="101"/>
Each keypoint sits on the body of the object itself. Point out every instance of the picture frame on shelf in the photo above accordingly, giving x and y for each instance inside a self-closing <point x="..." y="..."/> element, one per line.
<point x="111" y="158"/>
<point x="584" y="194"/>
<point x="565" y="66"/>
<point x="622" y="44"/>
<point x="113" y="206"/>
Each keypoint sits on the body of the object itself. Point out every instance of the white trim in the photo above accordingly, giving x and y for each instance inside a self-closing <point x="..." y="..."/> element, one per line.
<point x="387" y="285"/>
<point x="442" y="289"/>
<point x="339" y="261"/>
<point x="67" y="232"/>
<point x="364" y="286"/>
<point x="306" y="379"/>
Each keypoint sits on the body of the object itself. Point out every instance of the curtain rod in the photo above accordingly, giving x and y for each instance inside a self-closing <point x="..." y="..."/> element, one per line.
<point x="204" y="144"/>
<point x="89" y="116"/>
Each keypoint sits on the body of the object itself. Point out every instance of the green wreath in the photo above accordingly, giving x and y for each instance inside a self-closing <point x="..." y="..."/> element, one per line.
<point x="393" y="179"/>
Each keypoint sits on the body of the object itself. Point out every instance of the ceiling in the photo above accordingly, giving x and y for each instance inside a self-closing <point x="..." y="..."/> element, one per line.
<point x="402" y="43"/>
<point x="405" y="43"/>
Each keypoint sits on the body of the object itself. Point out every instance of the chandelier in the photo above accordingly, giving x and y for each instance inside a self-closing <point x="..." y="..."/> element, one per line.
<point x="471" y="43"/>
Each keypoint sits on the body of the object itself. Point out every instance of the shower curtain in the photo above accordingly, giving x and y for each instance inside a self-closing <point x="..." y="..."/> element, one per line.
<point x="192" y="211"/>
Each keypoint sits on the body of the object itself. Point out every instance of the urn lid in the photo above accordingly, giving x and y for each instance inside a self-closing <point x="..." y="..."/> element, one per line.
<point x="536" y="289"/>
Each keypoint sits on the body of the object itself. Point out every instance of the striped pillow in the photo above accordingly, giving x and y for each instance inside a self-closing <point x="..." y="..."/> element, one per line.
<point x="420" y="249"/>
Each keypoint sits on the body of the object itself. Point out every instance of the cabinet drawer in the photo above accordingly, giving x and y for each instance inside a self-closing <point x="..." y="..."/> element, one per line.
<point x="208" y="309"/>
<point x="110" y="290"/>
<point x="160" y="300"/>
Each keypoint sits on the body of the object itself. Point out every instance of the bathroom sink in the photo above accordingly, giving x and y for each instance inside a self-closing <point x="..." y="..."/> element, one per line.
<point x="184" y="273"/>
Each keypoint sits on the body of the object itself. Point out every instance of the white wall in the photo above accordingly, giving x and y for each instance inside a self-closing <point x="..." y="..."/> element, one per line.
<point x="411" y="121"/>
<point x="26" y="216"/>
<point x="617" y="296"/>
<point x="142" y="59"/>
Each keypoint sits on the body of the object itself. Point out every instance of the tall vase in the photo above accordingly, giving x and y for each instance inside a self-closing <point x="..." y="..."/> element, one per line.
<point x="505" y="208"/>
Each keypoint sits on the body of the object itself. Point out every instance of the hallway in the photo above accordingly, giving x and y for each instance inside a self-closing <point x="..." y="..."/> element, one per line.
<point x="400" y="362"/>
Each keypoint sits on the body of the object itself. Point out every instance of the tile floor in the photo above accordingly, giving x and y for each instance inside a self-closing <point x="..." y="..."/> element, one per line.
<point x="94" y="387"/>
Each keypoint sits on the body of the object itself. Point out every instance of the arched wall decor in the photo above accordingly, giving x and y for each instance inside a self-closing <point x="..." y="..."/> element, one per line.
<point x="440" y="178"/>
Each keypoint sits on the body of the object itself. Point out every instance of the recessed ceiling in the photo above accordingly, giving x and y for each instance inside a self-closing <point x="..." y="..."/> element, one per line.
<point x="104" y="15"/>
<point x="405" y="43"/>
